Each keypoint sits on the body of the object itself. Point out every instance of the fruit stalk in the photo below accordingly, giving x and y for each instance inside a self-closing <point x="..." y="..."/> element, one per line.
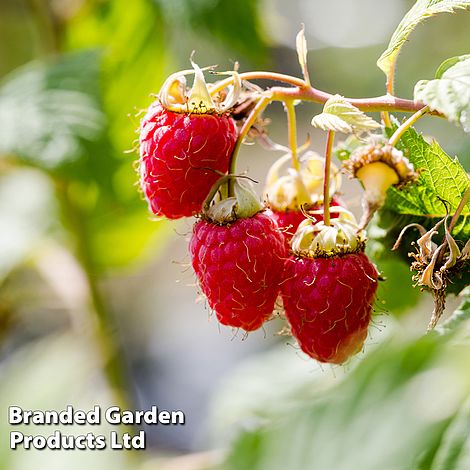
<point x="326" y="180"/>
<point x="251" y="119"/>
<point x="303" y="196"/>
<point x="406" y="125"/>
<point x="292" y="132"/>
<point x="463" y="202"/>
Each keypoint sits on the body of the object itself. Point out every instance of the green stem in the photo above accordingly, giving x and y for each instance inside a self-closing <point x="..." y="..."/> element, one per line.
<point x="292" y="132"/>
<point x="406" y="125"/>
<point x="302" y="193"/>
<point x="463" y="202"/>
<point x="326" y="179"/>
<point x="390" y="91"/>
<point x="251" y="119"/>
<point x="385" y="115"/>
<point x="47" y="29"/>
<point x="105" y="327"/>
<point x="214" y="190"/>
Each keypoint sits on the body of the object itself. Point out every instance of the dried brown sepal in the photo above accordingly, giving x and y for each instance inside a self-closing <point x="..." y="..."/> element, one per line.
<point x="435" y="265"/>
<point x="439" y="297"/>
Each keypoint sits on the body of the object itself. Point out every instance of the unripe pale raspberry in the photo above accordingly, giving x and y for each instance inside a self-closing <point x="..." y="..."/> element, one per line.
<point x="181" y="156"/>
<point x="239" y="267"/>
<point x="328" y="303"/>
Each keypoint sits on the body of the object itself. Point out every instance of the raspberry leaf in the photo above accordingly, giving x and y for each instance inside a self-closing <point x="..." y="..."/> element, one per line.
<point x="448" y="63"/>
<point x="386" y="387"/>
<point x="449" y="92"/>
<point x="440" y="187"/>
<point x="420" y="11"/>
<point x="302" y="50"/>
<point x="49" y="113"/>
<point x="460" y="316"/>
<point x="341" y="116"/>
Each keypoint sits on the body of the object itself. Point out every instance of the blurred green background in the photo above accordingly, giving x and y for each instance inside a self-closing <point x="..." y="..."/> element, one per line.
<point x="97" y="301"/>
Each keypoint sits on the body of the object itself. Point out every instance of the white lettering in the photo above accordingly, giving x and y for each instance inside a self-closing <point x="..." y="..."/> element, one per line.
<point x="15" y="415"/>
<point x="16" y="437"/>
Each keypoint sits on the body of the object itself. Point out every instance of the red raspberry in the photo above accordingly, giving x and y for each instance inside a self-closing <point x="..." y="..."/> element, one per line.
<point x="180" y="155"/>
<point x="289" y="220"/>
<point x="239" y="268"/>
<point x="328" y="303"/>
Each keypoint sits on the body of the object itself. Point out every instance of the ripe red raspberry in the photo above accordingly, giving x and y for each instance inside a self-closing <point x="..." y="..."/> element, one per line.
<point x="328" y="303"/>
<point x="289" y="220"/>
<point x="180" y="155"/>
<point x="239" y="267"/>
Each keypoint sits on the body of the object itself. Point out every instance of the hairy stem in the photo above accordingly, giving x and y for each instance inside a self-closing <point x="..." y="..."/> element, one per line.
<point x="462" y="204"/>
<point x="406" y="125"/>
<point x="385" y="115"/>
<point x="326" y="179"/>
<point x="276" y="77"/>
<point x="302" y="193"/>
<point x="251" y="119"/>
<point x="214" y="190"/>
<point x="300" y="91"/>
<point x="292" y="132"/>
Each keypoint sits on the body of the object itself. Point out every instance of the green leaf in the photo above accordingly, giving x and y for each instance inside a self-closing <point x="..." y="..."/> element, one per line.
<point x="115" y="218"/>
<point x="48" y="111"/>
<point x="461" y="315"/>
<point x="345" y="148"/>
<point x="454" y="449"/>
<point x="449" y="93"/>
<point x="441" y="184"/>
<point x="341" y="116"/>
<point x="237" y="25"/>
<point x="420" y="11"/>
<point x="397" y="279"/>
<point x="448" y="63"/>
<point x="393" y="409"/>
<point x="130" y="74"/>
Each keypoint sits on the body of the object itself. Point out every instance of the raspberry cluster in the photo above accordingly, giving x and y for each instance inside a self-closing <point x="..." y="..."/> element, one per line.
<point x="246" y="255"/>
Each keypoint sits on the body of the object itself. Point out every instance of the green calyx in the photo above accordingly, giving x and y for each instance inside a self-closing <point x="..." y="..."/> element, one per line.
<point x="317" y="240"/>
<point x="244" y="204"/>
